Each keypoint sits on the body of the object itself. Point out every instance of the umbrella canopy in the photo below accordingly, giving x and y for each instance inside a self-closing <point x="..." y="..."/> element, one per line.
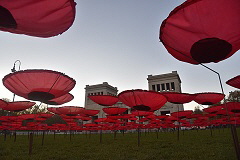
<point x="90" y="112"/>
<point x="234" y="82"/>
<point x="202" y="31"/>
<point x="114" y="110"/>
<point x="213" y="109"/>
<point x="142" y="99"/>
<point x="208" y="98"/>
<point x="60" y="100"/>
<point x="104" y="100"/>
<point x="232" y="107"/>
<point x="178" y="98"/>
<point x="33" y="18"/>
<point x="182" y="114"/>
<point x="3" y="103"/>
<point x="70" y="110"/>
<point x="53" y="110"/>
<point x="18" y="106"/>
<point x="39" y="85"/>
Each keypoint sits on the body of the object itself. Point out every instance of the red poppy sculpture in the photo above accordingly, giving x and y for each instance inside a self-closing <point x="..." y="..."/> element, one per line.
<point x="33" y="18"/>
<point x="234" y="82"/>
<point x="208" y="98"/>
<point x="182" y="114"/>
<point x="104" y="100"/>
<point x="70" y="110"/>
<point x="18" y="106"/>
<point x="60" y="100"/>
<point x="39" y="85"/>
<point x="89" y="112"/>
<point x="142" y="100"/>
<point x="232" y="107"/>
<point x="114" y="110"/>
<point x="178" y="98"/>
<point x="202" y="31"/>
<point x="3" y="103"/>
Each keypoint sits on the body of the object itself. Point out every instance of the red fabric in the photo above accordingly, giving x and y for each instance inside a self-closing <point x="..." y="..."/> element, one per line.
<point x="60" y="100"/>
<point x="53" y="110"/>
<point x="70" y="110"/>
<point x="182" y="114"/>
<point x="3" y="103"/>
<point x="39" y="18"/>
<point x="104" y="100"/>
<point x="232" y="107"/>
<point x="178" y="98"/>
<point x="89" y="112"/>
<point x="18" y="106"/>
<point x="142" y="99"/>
<point x="208" y="98"/>
<point x="39" y="85"/>
<point x="114" y="110"/>
<point x="141" y="113"/>
<point x="212" y="109"/>
<point x="234" y="82"/>
<point x="202" y="31"/>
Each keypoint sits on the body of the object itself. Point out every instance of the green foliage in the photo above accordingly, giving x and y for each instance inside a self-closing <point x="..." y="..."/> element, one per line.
<point x="193" y="145"/>
<point x="234" y="96"/>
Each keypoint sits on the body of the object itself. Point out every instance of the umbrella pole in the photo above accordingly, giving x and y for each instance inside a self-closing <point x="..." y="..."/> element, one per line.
<point x="15" y="136"/>
<point x="233" y="128"/>
<point x="100" y="136"/>
<point x="138" y="136"/>
<point x="30" y="143"/>
<point x="43" y="135"/>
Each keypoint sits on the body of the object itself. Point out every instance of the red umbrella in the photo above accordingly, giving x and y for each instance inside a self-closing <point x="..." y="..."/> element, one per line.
<point x="104" y="100"/>
<point x="70" y="110"/>
<point x="178" y="98"/>
<point x="90" y="112"/>
<point x="53" y="110"/>
<point x="213" y="109"/>
<point x="33" y="18"/>
<point x="114" y="110"/>
<point x="182" y="114"/>
<point x="194" y="31"/>
<point x="3" y="103"/>
<point x="60" y="100"/>
<point x="232" y="107"/>
<point x="142" y="99"/>
<point x="39" y="85"/>
<point x="18" y="106"/>
<point x="208" y="98"/>
<point x="234" y="82"/>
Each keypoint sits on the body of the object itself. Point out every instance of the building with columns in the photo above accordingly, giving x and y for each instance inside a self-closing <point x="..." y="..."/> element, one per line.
<point x="169" y="82"/>
<point x="160" y="83"/>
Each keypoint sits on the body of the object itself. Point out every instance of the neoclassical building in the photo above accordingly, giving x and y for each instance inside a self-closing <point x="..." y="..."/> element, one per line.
<point x="169" y="82"/>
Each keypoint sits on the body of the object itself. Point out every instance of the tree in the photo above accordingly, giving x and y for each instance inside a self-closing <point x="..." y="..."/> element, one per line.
<point x="197" y="110"/>
<point x="234" y="96"/>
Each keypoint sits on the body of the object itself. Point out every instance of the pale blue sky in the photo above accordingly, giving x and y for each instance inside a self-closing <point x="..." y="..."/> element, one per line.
<point x="114" y="41"/>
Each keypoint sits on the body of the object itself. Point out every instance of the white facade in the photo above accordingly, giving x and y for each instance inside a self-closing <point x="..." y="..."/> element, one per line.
<point x="169" y="82"/>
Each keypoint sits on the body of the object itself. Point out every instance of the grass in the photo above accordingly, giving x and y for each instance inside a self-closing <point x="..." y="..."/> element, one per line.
<point x="192" y="145"/>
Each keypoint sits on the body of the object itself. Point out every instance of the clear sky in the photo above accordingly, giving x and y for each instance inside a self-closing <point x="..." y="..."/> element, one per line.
<point x="114" y="41"/>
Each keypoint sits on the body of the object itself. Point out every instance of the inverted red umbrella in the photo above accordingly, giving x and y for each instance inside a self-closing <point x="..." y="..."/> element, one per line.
<point x="39" y="85"/>
<point x="182" y="114"/>
<point x="208" y="98"/>
<point x="178" y="98"/>
<point x="3" y="103"/>
<point x="70" y="110"/>
<point x="213" y="109"/>
<point x="90" y="112"/>
<point x="53" y="110"/>
<point x="104" y="100"/>
<point x="18" y="106"/>
<point x="194" y="31"/>
<point x="33" y="18"/>
<point x="234" y="82"/>
<point x="142" y="100"/>
<point x="232" y="107"/>
<point x="114" y="110"/>
<point x="60" y="100"/>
